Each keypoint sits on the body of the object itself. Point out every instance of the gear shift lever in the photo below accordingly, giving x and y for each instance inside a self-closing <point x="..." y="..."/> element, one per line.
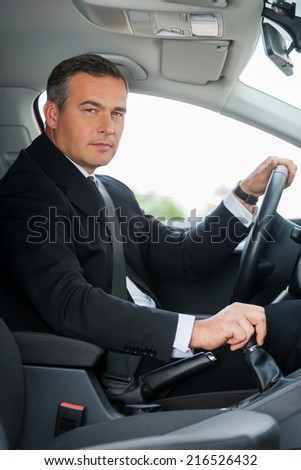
<point x="265" y="370"/>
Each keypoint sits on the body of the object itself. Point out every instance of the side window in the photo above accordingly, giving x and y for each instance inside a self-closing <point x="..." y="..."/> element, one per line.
<point x="180" y="160"/>
<point x="38" y="106"/>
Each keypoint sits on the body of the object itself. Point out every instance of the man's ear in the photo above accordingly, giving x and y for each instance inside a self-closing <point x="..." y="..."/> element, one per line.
<point x="51" y="112"/>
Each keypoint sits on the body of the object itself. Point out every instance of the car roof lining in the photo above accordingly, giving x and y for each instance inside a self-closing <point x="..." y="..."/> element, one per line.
<point x="55" y="30"/>
<point x="62" y="31"/>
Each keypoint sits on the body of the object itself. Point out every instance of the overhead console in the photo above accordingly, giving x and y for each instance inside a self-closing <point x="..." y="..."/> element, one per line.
<point x="189" y="19"/>
<point x="195" y="40"/>
<point x="176" y="24"/>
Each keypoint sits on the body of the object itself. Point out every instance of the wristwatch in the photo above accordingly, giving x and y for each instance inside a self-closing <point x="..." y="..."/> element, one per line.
<point x="247" y="198"/>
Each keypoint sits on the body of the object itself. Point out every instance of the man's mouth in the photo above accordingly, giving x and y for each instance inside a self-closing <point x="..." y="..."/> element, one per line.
<point x="103" y="145"/>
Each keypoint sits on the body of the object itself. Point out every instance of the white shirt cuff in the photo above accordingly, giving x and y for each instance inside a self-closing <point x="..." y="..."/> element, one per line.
<point x="183" y="335"/>
<point x="238" y="209"/>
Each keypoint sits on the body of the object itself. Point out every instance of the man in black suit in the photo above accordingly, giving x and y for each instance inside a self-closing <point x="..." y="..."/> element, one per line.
<point x="58" y="250"/>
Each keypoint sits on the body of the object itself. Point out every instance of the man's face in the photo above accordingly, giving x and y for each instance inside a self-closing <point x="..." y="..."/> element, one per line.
<point x="90" y="125"/>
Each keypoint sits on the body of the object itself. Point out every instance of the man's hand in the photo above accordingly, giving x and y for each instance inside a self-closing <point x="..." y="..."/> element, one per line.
<point x="234" y="325"/>
<point x="257" y="181"/>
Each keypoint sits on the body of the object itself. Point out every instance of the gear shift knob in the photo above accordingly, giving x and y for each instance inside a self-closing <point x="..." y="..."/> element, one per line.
<point x="250" y="346"/>
<point x="265" y="370"/>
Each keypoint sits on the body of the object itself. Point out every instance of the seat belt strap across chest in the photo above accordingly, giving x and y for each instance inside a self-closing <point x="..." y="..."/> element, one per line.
<point x="120" y="368"/>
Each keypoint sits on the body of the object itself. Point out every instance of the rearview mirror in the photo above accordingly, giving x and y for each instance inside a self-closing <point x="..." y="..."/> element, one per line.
<point x="276" y="49"/>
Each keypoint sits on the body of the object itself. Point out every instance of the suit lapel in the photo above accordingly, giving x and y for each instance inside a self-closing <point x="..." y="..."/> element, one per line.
<point x="67" y="177"/>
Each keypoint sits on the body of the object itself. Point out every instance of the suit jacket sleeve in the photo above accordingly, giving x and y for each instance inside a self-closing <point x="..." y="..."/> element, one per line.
<point x="178" y="253"/>
<point x="193" y="253"/>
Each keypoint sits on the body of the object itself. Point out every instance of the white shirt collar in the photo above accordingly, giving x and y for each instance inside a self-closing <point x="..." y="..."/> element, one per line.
<point x="80" y="168"/>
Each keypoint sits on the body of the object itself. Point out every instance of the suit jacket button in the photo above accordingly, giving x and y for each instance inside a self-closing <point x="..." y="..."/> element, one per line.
<point x="136" y="350"/>
<point x="127" y="349"/>
<point x="152" y="352"/>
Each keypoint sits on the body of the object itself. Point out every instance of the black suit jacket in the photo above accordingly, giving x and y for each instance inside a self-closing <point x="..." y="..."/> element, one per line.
<point x="55" y="246"/>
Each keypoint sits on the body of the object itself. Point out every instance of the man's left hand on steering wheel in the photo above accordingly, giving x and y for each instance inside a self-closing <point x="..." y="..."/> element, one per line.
<point x="272" y="176"/>
<point x="255" y="184"/>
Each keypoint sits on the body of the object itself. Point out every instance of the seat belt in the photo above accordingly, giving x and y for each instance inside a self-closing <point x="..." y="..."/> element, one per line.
<point x="120" y="368"/>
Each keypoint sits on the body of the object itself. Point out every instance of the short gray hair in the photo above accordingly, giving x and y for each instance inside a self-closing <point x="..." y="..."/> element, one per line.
<point x="92" y="64"/>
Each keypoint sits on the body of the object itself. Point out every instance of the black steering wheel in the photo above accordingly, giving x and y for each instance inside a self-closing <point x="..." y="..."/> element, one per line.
<point x="271" y="251"/>
<point x="259" y="236"/>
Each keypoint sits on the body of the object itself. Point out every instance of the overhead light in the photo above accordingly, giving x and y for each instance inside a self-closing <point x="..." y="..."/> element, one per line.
<point x="205" y="25"/>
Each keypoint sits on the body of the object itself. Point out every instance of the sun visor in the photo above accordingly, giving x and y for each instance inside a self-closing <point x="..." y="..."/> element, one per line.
<point x="184" y="62"/>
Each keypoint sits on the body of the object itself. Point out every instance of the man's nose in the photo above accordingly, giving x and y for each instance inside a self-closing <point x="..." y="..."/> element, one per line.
<point x="105" y="124"/>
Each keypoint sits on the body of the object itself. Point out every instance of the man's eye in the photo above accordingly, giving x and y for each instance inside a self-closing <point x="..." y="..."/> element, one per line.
<point x="118" y="114"/>
<point x="90" y="110"/>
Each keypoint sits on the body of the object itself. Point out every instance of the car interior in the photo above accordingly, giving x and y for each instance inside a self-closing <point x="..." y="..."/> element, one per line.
<point x="191" y="51"/>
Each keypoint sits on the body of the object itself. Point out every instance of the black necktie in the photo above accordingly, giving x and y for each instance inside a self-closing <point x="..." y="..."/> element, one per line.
<point x="119" y="270"/>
